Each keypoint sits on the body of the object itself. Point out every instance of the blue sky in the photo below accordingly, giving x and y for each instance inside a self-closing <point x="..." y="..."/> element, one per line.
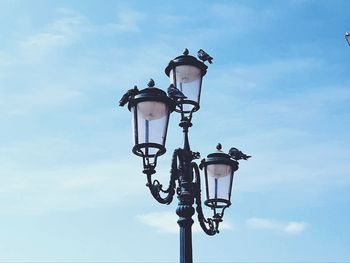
<point x="279" y="89"/>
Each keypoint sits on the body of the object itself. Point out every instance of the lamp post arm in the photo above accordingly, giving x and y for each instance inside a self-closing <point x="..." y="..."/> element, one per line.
<point x="209" y="225"/>
<point x="156" y="188"/>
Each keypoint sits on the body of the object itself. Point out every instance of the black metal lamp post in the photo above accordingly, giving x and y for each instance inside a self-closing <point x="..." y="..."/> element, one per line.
<point x="150" y="109"/>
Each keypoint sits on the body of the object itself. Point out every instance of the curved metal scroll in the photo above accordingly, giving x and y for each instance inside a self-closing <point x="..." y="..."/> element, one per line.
<point x="156" y="187"/>
<point x="213" y="223"/>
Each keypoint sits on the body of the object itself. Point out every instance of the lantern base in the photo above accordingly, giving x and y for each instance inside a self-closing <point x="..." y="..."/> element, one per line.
<point x="217" y="203"/>
<point x="149" y="150"/>
<point x="186" y="106"/>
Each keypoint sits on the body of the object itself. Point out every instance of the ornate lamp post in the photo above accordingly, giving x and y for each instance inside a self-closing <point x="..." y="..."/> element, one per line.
<point x="151" y="108"/>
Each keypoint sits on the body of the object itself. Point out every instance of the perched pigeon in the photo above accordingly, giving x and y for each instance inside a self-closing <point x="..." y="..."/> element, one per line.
<point x="204" y="56"/>
<point x="126" y="97"/>
<point x="174" y="93"/>
<point x="237" y="154"/>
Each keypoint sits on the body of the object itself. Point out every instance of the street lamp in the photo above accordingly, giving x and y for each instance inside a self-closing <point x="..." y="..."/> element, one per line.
<point x="151" y="108"/>
<point x="186" y="73"/>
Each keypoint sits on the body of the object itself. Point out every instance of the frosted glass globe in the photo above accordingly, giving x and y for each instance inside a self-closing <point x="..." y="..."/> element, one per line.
<point x="185" y="74"/>
<point x="152" y="110"/>
<point x="219" y="170"/>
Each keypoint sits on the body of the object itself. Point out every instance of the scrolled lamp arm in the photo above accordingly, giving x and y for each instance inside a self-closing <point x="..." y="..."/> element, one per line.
<point x="156" y="188"/>
<point x="209" y="225"/>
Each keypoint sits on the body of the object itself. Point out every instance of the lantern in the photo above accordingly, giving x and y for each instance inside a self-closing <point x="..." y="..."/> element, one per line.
<point x="219" y="169"/>
<point x="186" y="73"/>
<point x="150" y="109"/>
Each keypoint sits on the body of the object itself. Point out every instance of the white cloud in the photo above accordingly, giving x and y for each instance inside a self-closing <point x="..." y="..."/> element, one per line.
<point x="295" y="227"/>
<point x="38" y="191"/>
<point x="70" y="27"/>
<point x="61" y="32"/>
<point x="128" y="21"/>
<point x="260" y="75"/>
<point x="166" y="222"/>
<point x="57" y="174"/>
<point x="292" y="227"/>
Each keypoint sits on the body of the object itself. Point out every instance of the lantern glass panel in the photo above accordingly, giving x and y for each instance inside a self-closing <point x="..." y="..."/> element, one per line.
<point x="219" y="181"/>
<point x="188" y="81"/>
<point x="151" y="126"/>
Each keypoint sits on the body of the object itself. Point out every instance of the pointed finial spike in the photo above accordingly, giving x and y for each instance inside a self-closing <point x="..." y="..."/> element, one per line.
<point x="185" y="53"/>
<point x="219" y="147"/>
<point x="151" y="83"/>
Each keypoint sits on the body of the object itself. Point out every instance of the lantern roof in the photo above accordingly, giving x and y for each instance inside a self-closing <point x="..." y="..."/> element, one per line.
<point x="152" y="93"/>
<point x="186" y="59"/>
<point x="219" y="157"/>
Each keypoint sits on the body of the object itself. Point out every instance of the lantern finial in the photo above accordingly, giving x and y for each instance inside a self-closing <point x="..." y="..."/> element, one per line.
<point x="151" y="83"/>
<point x="185" y="53"/>
<point x="219" y="147"/>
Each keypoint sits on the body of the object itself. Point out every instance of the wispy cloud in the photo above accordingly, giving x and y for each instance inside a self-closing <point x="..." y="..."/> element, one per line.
<point x="128" y="21"/>
<point x="38" y="191"/>
<point x="72" y="26"/>
<point x="166" y="222"/>
<point x="57" y="174"/>
<point x="62" y="32"/>
<point x="291" y="227"/>
<point x="260" y="75"/>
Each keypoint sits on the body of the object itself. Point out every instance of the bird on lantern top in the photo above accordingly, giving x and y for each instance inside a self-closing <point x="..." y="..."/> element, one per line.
<point x="126" y="97"/>
<point x="237" y="154"/>
<point x="204" y="56"/>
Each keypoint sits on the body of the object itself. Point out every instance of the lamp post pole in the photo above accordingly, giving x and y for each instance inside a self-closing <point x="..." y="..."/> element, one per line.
<point x="151" y="108"/>
<point x="185" y="209"/>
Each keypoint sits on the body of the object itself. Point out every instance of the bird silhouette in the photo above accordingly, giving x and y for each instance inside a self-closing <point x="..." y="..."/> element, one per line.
<point x="126" y="97"/>
<point x="237" y="154"/>
<point x="204" y="56"/>
<point x="174" y="93"/>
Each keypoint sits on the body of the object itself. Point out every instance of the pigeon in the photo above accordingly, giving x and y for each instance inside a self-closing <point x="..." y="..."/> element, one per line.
<point x="204" y="56"/>
<point x="347" y="37"/>
<point x="126" y="97"/>
<point x="237" y="154"/>
<point x="174" y="93"/>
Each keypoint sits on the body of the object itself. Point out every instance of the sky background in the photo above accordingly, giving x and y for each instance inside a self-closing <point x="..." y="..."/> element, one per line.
<point x="72" y="191"/>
